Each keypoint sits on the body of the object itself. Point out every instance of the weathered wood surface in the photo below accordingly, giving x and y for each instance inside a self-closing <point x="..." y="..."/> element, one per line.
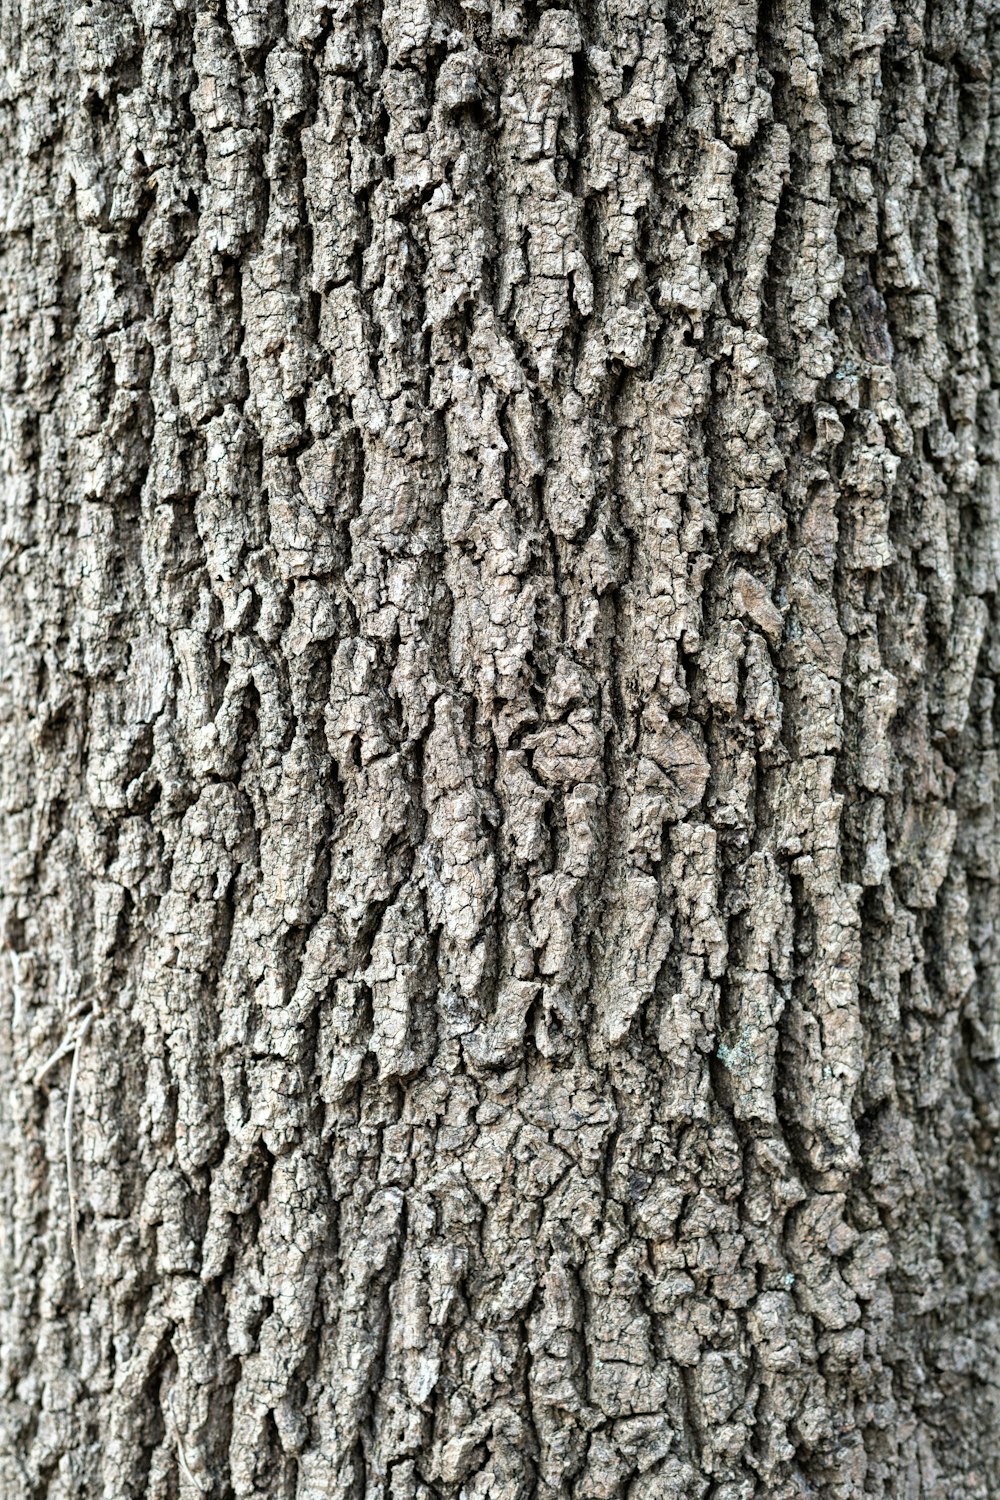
<point x="498" y="771"/>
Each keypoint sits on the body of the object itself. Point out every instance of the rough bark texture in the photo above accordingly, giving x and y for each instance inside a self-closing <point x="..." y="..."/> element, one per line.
<point x="501" y="986"/>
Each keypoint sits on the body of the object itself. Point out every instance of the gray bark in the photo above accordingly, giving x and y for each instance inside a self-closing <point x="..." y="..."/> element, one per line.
<point x="501" y="529"/>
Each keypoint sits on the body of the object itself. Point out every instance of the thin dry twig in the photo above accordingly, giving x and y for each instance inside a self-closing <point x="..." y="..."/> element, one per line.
<point x="182" y="1456"/>
<point x="81" y="1037"/>
<point x="66" y="1046"/>
<point x="15" y="969"/>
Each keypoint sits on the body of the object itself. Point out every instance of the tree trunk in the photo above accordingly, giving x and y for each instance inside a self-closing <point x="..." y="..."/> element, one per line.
<point x="501" y="985"/>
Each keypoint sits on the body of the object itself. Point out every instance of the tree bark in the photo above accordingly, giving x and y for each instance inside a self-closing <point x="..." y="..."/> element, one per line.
<point x="501" y="985"/>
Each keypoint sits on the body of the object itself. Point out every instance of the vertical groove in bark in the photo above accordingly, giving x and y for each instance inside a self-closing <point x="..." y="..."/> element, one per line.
<point x="499" y="649"/>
